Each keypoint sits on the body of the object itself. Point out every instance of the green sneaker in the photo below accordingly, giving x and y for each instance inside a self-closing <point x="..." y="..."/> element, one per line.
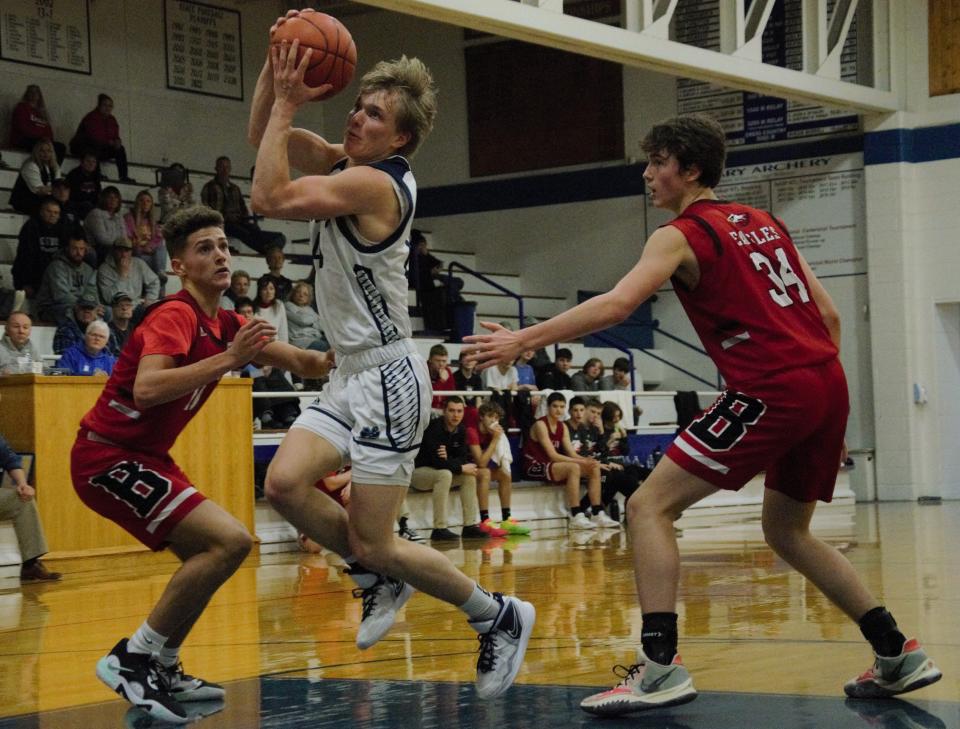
<point x="512" y="526"/>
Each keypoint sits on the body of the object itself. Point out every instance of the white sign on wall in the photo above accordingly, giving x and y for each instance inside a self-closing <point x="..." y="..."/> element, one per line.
<point x="204" y="50"/>
<point x="51" y="33"/>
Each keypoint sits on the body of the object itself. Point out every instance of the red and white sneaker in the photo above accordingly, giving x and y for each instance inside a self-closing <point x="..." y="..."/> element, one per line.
<point x="490" y="528"/>
<point x="645" y="685"/>
<point x="893" y="675"/>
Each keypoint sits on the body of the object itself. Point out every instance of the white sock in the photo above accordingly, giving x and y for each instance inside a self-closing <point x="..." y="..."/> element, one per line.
<point x="363" y="577"/>
<point x="481" y="605"/>
<point x="169" y="657"/>
<point x="146" y="640"/>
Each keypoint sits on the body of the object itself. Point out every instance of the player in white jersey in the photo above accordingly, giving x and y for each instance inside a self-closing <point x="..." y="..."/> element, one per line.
<point x="376" y="406"/>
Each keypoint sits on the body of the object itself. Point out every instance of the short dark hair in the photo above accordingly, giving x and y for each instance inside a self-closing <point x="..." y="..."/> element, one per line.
<point x="438" y="349"/>
<point x="221" y="157"/>
<point x="48" y="200"/>
<point x="491" y="408"/>
<point x="103" y="97"/>
<point x="621" y="364"/>
<point x="184" y="222"/>
<point x="564" y="353"/>
<point x="593" y="402"/>
<point x="696" y="140"/>
<point x="453" y="399"/>
<point x="243" y="301"/>
<point x="77" y="232"/>
<point x="577" y="400"/>
<point x="554" y="397"/>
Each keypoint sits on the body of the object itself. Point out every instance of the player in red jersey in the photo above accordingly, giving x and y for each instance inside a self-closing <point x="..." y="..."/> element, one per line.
<point x="774" y="334"/>
<point x="122" y="469"/>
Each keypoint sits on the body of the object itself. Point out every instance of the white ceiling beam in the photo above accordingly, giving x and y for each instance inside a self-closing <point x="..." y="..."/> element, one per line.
<point x="642" y="50"/>
<point x="837" y="32"/>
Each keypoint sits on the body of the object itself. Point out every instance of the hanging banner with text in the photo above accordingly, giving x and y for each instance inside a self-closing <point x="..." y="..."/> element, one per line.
<point x="46" y="33"/>
<point x="204" y="51"/>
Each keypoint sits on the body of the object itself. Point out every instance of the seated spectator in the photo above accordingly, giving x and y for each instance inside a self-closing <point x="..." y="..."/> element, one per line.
<point x="275" y="260"/>
<point x="548" y="455"/>
<point x="176" y="192"/>
<point x="104" y="224"/>
<point x="490" y="450"/>
<point x="40" y="239"/>
<point x="90" y="357"/>
<point x="441" y="376"/>
<point x="73" y="329"/>
<point x="67" y="280"/>
<point x="239" y="289"/>
<point x="68" y="210"/>
<point x="502" y="377"/>
<point x="146" y="235"/>
<point x="467" y="378"/>
<point x="120" y="321"/>
<point x="526" y="376"/>
<point x="303" y="321"/>
<point x="17" y="352"/>
<point x="19" y="506"/>
<point x="225" y="197"/>
<point x="121" y="272"/>
<point x="443" y="462"/>
<point x="35" y="181"/>
<point x="620" y="379"/>
<point x="99" y="133"/>
<point x="268" y="307"/>
<point x="555" y="376"/>
<point x="436" y="291"/>
<point x="588" y="379"/>
<point x="30" y="123"/>
<point x="84" y="181"/>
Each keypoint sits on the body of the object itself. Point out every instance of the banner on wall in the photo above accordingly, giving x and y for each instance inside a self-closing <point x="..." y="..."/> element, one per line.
<point x="204" y="50"/>
<point x="46" y="33"/>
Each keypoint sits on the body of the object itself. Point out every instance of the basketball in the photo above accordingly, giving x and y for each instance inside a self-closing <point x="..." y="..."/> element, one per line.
<point x="334" y="56"/>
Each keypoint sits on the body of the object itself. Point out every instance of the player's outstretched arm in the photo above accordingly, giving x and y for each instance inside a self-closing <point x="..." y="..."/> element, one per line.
<point x="306" y="363"/>
<point x="664" y="252"/>
<point x="159" y="380"/>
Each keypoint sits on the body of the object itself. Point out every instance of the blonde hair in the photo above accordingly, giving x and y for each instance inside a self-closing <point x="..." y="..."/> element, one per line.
<point x="301" y="286"/>
<point x="414" y="93"/>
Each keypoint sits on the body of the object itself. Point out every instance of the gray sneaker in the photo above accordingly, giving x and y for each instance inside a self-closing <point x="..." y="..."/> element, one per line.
<point x="887" y="677"/>
<point x="503" y="644"/>
<point x="645" y="685"/>
<point x="381" y="603"/>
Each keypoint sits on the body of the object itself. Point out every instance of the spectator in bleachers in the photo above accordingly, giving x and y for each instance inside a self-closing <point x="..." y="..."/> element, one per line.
<point x="39" y="240"/>
<point x="146" y="235"/>
<point x="502" y="377"/>
<point x="526" y="376"/>
<point x="555" y="376"/>
<point x="17" y="352"/>
<point x="72" y="330"/>
<point x="239" y="289"/>
<point x="30" y="123"/>
<point x="35" y="181"/>
<point x="441" y="376"/>
<point x="588" y="379"/>
<point x="104" y="224"/>
<point x="67" y="280"/>
<point x="490" y="450"/>
<point x="19" y="505"/>
<point x="443" y="462"/>
<point x="68" y="210"/>
<point x="275" y="260"/>
<point x="467" y="378"/>
<point x="620" y="379"/>
<point x="122" y="315"/>
<point x="268" y="307"/>
<point x="436" y="291"/>
<point x="99" y="133"/>
<point x="176" y="192"/>
<point x="121" y="272"/>
<point x="90" y="357"/>
<point x="548" y="455"/>
<point x="225" y="197"/>
<point x="85" y="180"/>
<point x="303" y="321"/>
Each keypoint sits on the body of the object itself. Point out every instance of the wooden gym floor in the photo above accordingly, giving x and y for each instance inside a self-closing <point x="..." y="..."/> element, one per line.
<point x="765" y="648"/>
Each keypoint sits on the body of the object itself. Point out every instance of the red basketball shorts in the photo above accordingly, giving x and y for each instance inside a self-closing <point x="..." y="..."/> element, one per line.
<point x="145" y="494"/>
<point x="791" y="426"/>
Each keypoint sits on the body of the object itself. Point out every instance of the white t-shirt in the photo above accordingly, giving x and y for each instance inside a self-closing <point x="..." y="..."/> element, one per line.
<point x="494" y="379"/>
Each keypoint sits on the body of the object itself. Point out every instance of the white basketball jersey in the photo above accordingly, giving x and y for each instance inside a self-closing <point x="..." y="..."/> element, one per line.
<point x="361" y="285"/>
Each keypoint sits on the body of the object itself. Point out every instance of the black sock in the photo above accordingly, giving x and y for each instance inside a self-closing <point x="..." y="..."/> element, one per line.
<point x="29" y="563"/>
<point x="596" y="509"/>
<point x="402" y="522"/>
<point x="879" y="627"/>
<point x="484" y="515"/>
<point x="574" y="510"/>
<point x="659" y="637"/>
<point x="505" y="513"/>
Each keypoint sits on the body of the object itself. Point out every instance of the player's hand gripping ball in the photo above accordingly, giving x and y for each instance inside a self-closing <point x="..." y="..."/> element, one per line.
<point x="334" y="56"/>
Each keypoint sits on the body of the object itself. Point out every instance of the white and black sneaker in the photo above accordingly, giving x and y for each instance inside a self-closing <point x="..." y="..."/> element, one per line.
<point x="138" y="678"/>
<point x="407" y="533"/>
<point x="503" y="643"/>
<point x="381" y="603"/>
<point x="184" y="687"/>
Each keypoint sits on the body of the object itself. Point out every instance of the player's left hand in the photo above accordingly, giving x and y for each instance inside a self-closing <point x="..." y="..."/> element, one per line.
<point x="288" y="84"/>
<point x="486" y="350"/>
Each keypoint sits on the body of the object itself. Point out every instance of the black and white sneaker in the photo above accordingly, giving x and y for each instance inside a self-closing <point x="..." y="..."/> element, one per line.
<point x="503" y="643"/>
<point x="407" y="533"/>
<point x="137" y="678"/>
<point x="184" y="687"/>
<point x="381" y="603"/>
